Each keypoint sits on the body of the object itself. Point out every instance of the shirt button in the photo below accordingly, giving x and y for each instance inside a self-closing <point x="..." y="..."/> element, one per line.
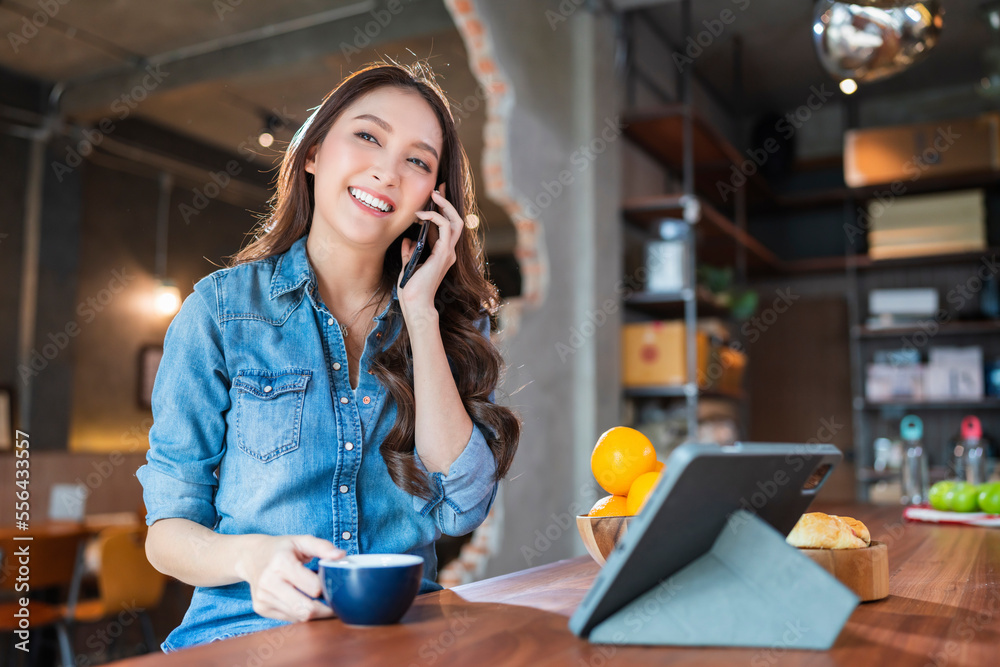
<point x="330" y="321"/>
<point x="343" y="399"/>
<point x="267" y="389"/>
<point x="346" y="535"/>
<point x="336" y="365"/>
<point x="349" y="446"/>
<point x="366" y="400"/>
<point x="343" y="488"/>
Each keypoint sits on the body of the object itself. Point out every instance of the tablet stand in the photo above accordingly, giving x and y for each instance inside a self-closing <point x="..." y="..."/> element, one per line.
<point x="751" y="589"/>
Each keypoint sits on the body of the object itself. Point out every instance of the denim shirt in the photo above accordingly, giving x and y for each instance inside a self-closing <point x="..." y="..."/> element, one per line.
<point x="257" y="430"/>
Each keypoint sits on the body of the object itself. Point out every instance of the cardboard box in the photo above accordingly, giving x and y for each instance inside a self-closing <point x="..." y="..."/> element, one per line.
<point x="905" y="153"/>
<point x="654" y="354"/>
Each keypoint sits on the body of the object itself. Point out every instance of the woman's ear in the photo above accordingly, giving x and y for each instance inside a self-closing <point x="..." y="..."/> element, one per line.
<point x="310" y="165"/>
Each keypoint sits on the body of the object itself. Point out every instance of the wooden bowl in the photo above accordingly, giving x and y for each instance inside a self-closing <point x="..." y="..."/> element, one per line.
<point x="601" y="534"/>
<point x="864" y="571"/>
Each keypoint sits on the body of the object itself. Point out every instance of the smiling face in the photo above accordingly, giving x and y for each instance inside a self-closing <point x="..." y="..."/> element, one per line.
<point x="386" y="146"/>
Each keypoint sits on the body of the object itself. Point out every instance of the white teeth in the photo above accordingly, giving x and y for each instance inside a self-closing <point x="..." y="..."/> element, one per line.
<point x="374" y="202"/>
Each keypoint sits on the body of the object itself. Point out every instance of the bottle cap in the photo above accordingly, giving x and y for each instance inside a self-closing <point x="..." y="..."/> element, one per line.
<point x="971" y="428"/>
<point x="911" y="428"/>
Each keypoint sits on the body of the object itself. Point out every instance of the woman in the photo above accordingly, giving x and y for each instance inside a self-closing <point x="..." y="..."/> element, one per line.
<point x="308" y="407"/>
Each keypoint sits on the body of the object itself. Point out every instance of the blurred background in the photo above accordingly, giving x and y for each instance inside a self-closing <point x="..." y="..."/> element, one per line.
<point x="758" y="220"/>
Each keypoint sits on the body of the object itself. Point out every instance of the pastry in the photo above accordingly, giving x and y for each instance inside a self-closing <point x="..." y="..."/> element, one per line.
<point x="817" y="530"/>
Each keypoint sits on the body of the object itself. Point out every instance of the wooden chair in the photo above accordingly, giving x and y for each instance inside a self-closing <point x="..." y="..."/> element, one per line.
<point x="125" y="580"/>
<point x="55" y="561"/>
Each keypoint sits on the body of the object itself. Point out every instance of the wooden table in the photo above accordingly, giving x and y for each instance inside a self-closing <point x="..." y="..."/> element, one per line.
<point x="943" y="609"/>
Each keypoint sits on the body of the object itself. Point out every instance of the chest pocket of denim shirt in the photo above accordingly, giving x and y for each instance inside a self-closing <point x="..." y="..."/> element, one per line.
<point x="269" y="411"/>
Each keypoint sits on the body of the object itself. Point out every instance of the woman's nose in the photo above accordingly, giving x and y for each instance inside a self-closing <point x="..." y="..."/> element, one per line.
<point x="386" y="173"/>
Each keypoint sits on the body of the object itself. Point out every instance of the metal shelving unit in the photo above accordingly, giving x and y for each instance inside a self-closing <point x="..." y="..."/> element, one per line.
<point x="676" y="136"/>
<point x="873" y="419"/>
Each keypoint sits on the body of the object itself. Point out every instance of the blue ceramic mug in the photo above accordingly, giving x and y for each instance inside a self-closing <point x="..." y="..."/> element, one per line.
<point x="371" y="589"/>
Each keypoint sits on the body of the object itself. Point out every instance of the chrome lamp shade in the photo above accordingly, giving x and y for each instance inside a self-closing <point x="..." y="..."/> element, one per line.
<point x="868" y="40"/>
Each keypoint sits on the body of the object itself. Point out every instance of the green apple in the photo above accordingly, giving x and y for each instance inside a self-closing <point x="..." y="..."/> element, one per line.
<point x="938" y="495"/>
<point x="989" y="497"/>
<point x="965" y="498"/>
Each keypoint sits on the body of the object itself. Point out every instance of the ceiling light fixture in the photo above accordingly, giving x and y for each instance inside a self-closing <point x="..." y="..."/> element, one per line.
<point x="166" y="295"/>
<point x="868" y="40"/>
<point x="848" y="86"/>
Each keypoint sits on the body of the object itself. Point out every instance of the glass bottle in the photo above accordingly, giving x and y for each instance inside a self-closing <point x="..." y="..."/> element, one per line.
<point x="974" y="453"/>
<point x="916" y="476"/>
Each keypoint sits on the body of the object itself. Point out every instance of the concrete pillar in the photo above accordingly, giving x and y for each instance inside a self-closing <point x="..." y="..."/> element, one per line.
<point x="554" y="125"/>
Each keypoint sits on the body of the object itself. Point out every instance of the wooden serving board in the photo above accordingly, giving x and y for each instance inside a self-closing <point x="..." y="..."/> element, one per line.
<point x="864" y="571"/>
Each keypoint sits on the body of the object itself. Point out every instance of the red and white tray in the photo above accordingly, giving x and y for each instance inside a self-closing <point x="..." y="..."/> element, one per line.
<point x="929" y="515"/>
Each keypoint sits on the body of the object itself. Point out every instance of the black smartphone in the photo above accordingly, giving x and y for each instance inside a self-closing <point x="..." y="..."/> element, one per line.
<point x="418" y="250"/>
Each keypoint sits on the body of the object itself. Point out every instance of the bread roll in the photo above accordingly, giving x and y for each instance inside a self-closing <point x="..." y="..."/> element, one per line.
<point x="817" y="530"/>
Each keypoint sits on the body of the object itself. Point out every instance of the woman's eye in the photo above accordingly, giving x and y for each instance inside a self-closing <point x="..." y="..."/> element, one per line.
<point x="365" y="134"/>
<point x="421" y="164"/>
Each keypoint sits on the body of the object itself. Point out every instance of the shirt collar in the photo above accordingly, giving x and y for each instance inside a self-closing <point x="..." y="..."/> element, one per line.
<point x="293" y="271"/>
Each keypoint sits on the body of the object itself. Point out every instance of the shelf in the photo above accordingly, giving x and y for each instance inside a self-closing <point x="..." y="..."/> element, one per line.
<point x="865" y="263"/>
<point x="676" y="391"/>
<point x="646" y="212"/>
<point x="989" y="403"/>
<point x="968" y="328"/>
<point x="832" y="196"/>
<point x="670" y="305"/>
<point x="660" y="132"/>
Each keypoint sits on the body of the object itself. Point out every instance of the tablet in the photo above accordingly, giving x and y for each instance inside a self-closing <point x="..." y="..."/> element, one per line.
<point x="701" y="486"/>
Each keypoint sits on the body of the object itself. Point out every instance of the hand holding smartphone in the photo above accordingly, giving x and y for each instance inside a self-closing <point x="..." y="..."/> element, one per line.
<point x="418" y="249"/>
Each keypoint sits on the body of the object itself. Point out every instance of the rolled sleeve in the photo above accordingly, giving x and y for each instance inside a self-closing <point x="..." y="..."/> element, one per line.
<point x="189" y="401"/>
<point x="463" y="497"/>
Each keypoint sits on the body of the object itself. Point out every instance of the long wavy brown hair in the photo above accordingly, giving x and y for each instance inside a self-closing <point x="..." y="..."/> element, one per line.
<point x="465" y="295"/>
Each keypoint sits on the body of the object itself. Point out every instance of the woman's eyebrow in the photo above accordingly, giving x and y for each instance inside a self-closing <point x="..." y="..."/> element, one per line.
<point x="388" y="128"/>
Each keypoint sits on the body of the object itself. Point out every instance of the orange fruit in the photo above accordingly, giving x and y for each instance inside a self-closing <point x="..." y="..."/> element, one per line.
<point x="608" y="506"/>
<point x="621" y="455"/>
<point x="639" y="492"/>
<point x="658" y="467"/>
